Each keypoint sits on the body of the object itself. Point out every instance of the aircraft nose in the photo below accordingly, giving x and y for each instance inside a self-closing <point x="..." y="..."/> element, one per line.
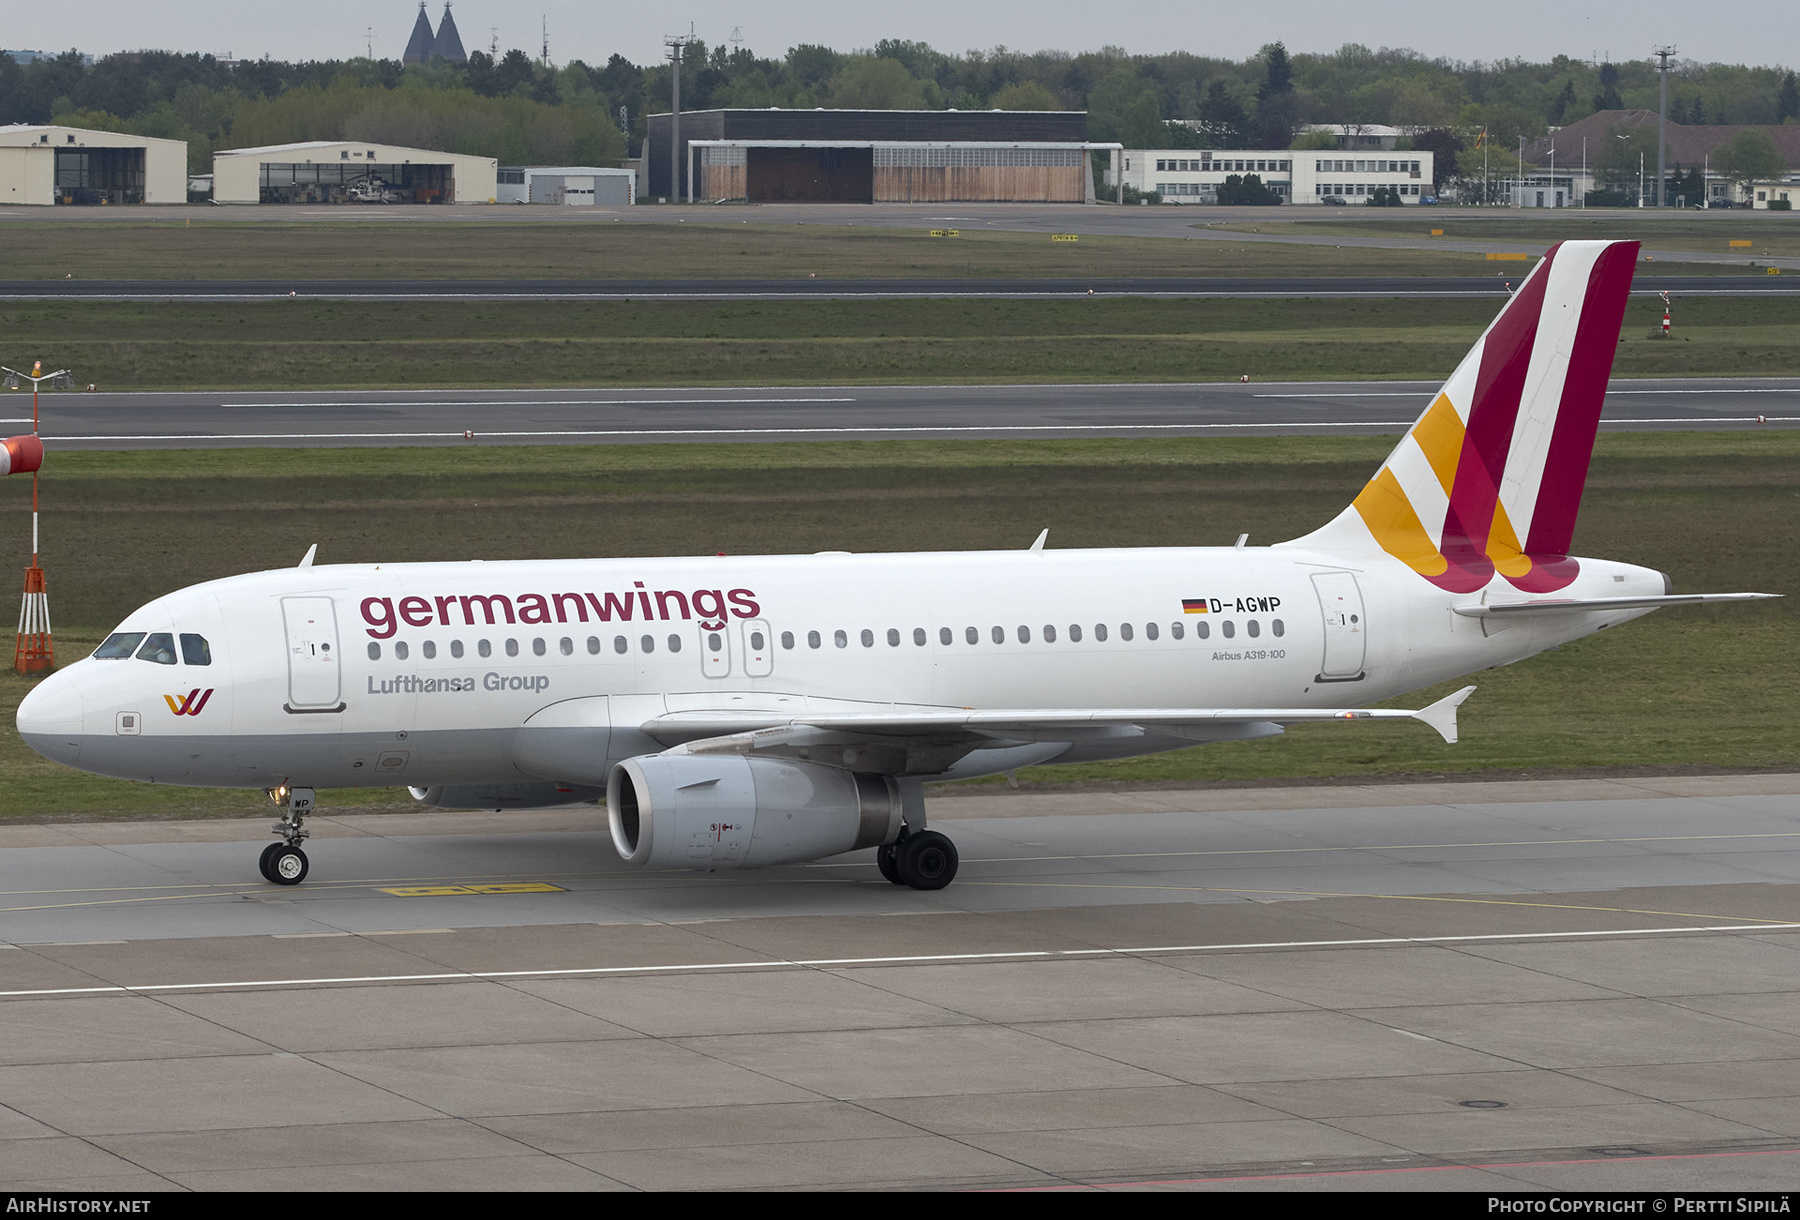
<point x="50" y="719"/>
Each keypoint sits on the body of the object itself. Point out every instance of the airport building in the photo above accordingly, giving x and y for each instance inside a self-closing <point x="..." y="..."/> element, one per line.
<point x="567" y="185"/>
<point x="1560" y="166"/>
<point x="66" y="165"/>
<point x="342" y="171"/>
<point x="871" y="156"/>
<point x="1297" y="176"/>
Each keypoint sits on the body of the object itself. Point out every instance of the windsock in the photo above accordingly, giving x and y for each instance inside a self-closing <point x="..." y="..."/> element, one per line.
<point x="21" y="455"/>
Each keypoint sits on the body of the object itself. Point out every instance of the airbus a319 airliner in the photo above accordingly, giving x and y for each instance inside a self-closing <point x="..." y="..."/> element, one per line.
<point x="761" y="710"/>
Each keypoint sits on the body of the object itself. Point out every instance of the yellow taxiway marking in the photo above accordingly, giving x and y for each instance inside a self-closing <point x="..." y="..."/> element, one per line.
<point x="442" y="891"/>
<point x="1497" y="902"/>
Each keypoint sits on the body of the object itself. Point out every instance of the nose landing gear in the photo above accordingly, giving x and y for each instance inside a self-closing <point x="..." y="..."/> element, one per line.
<point x="284" y="863"/>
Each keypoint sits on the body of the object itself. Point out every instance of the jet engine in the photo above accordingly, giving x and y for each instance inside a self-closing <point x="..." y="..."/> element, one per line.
<point x="728" y="811"/>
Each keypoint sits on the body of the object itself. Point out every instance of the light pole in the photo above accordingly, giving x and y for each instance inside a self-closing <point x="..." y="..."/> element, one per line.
<point x="1662" y="120"/>
<point x="32" y="647"/>
<point x="677" y="44"/>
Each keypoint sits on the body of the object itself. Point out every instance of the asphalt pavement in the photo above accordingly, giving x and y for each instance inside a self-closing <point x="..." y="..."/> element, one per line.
<point x="300" y="419"/>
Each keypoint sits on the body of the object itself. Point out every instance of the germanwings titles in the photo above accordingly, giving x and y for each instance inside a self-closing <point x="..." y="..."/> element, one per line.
<point x="751" y="711"/>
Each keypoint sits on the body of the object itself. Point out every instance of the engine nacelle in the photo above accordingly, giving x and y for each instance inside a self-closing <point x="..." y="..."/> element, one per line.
<point x="504" y="796"/>
<point x="728" y="811"/>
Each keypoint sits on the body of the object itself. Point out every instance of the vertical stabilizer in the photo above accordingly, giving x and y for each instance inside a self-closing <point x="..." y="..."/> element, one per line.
<point x="1490" y="477"/>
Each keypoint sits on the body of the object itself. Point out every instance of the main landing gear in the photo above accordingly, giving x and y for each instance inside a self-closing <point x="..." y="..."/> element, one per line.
<point x="923" y="861"/>
<point x="284" y="863"/>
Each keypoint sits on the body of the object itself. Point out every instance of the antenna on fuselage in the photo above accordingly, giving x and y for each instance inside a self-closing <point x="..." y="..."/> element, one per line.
<point x="1039" y="544"/>
<point x="1239" y="544"/>
<point x="306" y="561"/>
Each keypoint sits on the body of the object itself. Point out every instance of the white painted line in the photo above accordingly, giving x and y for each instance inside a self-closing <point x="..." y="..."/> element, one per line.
<point x="542" y="402"/>
<point x="908" y="960"/>
<point x="870" y="430"/>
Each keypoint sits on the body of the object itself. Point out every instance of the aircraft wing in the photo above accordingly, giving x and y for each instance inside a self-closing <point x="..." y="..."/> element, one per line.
<point x="705" y="731"/>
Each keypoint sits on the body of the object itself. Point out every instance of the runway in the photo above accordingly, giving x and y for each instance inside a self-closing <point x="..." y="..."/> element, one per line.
<point x="1409" y="226"/>
<point x="1318" y="287"/>
<point x="1470" y="986"/>
<point x="304" y="419"/>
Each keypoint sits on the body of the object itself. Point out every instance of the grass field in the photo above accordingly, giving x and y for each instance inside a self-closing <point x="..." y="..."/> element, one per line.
<point x="1704" y="687"/>
<point x="1705" y="233"/>
<point x="146" y="248"/>
<point x="347" y="343"/>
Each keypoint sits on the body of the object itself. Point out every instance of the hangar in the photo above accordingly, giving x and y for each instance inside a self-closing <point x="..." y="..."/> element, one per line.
<point x="567" y="185"/>
<point x="350" y="171"/>
<point x="68" y="165"/>
<point x="872" y="156"/>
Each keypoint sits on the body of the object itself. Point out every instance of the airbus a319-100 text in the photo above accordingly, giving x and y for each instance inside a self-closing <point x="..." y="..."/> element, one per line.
<point x="737" y="712"/>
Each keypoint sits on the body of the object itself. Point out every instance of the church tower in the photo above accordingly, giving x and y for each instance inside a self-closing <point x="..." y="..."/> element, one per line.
<point x="418" y="47"/>
<point x="448" y="44"/>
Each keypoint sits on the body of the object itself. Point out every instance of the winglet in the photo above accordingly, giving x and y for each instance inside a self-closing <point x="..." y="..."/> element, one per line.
<point x="1039" y="544"/>
<point x="1442" y="714"/>
<point x="306" y="562"/>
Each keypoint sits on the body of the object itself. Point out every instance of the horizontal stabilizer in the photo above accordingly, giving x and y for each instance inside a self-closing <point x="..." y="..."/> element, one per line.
<point x="1549" y="605"/>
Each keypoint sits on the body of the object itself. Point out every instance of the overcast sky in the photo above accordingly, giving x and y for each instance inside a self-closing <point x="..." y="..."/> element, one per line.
<point x="1749" y="31"/>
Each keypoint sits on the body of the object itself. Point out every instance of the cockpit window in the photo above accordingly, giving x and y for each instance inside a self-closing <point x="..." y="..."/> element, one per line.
<point x="160" y="647"/>
<point x="118" y="644"/>
<point x="195" y="650"/>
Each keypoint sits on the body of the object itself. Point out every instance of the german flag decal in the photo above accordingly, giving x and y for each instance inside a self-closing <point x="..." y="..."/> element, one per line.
<point x="1193" y="605"/>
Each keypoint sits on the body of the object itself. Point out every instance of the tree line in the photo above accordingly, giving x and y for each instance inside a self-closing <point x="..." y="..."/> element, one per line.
<point x="524" y="111"/>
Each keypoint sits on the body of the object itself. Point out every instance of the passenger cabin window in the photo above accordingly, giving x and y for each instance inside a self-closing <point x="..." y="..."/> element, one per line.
<point x="619" y="645"/>
<point x="946" y="636"/>
<point x="1124" y="631"/>
<point x="456" y="649"/>
<point x="893" y="637"/>
<point x="429" y="648"/>
<point x="787" y="640"/>
<point x="537" y="646"/>
<point x="1149" y="631"/>
<point x="868" y="638"/>
<point x="160" y="648"/>
<point x="1201" y="631"/>
<point x="374" y="651"/>
<point x="1176" y="630"/>
<point x="998" y="634"/>
<point x="119" y="645"/>
<point x="512" y="648"/>
<point x="972" y="635"/>
<point x="1279" y="627"/>
<point x="812" y="639"/>
<point x="675" y="643"/>
<point x="1074" y="633"/>
<point x="1049" y="634"/>
<point x="593" y="646"/>
<point x="648" y="643"/>
<point x="566" y="646"/>
<point x="194" y="650"/>
<point x="1228" y="628"/>
<point x="484" y="648"/>
<point x="840" y="639"/>
<point x="1254" y="627"/>
<point x="1100" y="632"/>
<point x="400" y="649"/>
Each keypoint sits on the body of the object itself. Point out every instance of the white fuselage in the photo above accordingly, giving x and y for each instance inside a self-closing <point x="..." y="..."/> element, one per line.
<point x="385" y="674"/>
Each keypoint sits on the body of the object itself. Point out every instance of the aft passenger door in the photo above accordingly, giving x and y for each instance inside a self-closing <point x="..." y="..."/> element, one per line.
<point x="1340" y="602"/>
